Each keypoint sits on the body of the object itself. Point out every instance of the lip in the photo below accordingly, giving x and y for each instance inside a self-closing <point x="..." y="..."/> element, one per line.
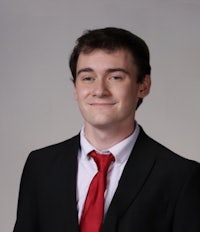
<point x="102" y="104"/>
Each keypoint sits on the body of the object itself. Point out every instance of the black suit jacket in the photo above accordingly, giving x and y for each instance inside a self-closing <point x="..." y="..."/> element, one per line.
<point x="159" y="191"/>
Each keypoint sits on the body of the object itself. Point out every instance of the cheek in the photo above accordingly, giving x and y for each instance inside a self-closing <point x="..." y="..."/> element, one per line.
<point x="128" y="93"/>
<point x="80" y="93"/>
<point x="129" y="97"/>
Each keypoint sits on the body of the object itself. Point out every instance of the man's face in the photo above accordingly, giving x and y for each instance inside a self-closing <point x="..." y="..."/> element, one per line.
<point x="106" y="88"/>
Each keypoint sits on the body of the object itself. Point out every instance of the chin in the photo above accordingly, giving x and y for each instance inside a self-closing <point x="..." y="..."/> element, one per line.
<point x="102" y="124"/>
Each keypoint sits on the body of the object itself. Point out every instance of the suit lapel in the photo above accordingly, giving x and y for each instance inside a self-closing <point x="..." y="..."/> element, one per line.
<point x="136" y="171"/>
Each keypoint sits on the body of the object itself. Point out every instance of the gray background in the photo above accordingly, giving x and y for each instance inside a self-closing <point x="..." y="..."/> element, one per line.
<point x="36" y="97"/>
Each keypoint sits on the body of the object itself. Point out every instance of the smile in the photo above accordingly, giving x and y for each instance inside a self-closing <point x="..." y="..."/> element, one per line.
<point x="101" y="104"/>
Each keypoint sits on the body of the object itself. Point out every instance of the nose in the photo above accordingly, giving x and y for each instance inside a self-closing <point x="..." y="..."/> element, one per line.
<point x="100" y="88"/>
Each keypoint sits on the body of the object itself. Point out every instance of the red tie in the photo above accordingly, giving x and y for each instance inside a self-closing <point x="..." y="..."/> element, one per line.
<point x="93" y="211"/>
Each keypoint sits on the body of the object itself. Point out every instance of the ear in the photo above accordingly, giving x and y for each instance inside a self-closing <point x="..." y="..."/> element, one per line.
<point x="144" y="87"/>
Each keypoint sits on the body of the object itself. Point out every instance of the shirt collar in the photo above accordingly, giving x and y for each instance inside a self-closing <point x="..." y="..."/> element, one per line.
<point x="121" y="150"/>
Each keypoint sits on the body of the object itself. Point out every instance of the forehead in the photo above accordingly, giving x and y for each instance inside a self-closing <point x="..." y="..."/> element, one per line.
<point x="101" y="57"/>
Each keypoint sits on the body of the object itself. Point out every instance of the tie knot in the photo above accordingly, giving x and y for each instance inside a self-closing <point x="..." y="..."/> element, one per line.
<point x="103" y="161"/>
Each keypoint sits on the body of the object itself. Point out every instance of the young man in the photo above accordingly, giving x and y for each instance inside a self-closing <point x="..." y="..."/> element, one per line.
<point x="144" y="187"/>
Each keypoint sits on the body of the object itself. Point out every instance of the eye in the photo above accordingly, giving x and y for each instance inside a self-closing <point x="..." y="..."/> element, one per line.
<point x="87" y="79"/>
<point x="116" y="78"/>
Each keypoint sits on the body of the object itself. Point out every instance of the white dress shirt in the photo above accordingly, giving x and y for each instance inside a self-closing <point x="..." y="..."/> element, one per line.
<point x="87" y="167"/>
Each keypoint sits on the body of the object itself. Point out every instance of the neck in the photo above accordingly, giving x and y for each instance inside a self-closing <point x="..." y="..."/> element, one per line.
<point x="103" y="139"/>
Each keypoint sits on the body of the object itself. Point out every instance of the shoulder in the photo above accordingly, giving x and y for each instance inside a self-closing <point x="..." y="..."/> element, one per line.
<point x="58" y="147"/>
<point x="51" y="154"/>
<point x="165" y="159"/>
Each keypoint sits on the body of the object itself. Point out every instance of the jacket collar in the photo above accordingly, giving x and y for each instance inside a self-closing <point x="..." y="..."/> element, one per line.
<point x="136" y="171"/>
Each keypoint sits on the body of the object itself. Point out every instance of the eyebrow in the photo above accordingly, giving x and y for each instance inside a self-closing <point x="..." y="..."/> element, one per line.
<point x="110" y="70"/>
<point x="85" y="70"/>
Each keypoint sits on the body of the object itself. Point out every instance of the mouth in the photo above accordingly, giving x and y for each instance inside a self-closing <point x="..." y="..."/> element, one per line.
<point x="102" y="104"/>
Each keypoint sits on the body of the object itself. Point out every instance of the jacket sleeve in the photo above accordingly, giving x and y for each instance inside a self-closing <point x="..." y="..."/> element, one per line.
<point x="26" y="211"/>
<point x="187" y="213"/>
